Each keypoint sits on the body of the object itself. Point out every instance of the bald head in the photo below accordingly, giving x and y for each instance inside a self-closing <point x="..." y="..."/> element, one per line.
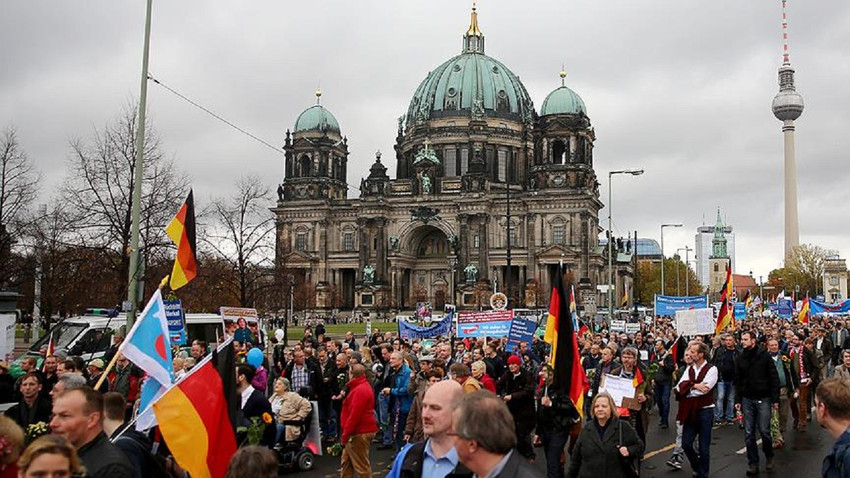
<point x="437" y="405"/>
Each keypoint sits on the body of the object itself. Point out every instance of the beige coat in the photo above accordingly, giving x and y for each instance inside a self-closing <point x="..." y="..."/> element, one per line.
<point x="292" y="407"/>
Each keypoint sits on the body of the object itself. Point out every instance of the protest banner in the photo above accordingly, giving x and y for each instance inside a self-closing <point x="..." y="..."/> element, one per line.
<point x="493" y="323"/>
<point x="818" y="307"/>
<point x="409" y="331"/>
<point x="668" y="305"/>
<point x="690" y="323"/>
<point x="176" y="321"/>
<point x="522" y="330"/>
<point x="740" y="310"/>
<point x="632" y="328"/>
<point x="618" y="326"/>
<point x="785" y="308"/>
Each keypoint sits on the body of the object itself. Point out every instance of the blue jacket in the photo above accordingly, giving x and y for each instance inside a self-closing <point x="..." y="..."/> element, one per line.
<point x="837" y="463"/>
<point x="399" y="389"/>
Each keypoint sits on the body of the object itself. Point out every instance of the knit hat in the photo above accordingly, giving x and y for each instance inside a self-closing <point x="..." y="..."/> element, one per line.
<point x="514" y="359"/>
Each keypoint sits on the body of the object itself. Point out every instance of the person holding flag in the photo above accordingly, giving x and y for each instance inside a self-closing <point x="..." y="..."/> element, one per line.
<point x="568" y="376"/>
<point x="726" y="316"/>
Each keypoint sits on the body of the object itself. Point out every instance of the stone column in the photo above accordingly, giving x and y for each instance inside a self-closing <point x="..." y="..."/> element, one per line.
<point x="483" y="262"/>
<point x="363" y="229"/>
<point x="381" y="250"/>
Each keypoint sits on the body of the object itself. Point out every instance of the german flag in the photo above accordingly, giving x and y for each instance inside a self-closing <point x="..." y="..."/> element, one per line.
<point x="194" y="418"/>
<point x="181" y="230"/>
<point x="678" y="349"/>
<point x="569" y="376"/>
<point x="726" y="317"/>
<point x="805" y="312"/>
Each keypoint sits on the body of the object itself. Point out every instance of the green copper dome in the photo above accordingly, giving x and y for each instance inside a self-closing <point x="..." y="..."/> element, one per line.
<point x="563" y="101"/>
<point x="471" y="84"/>
<point x="316" y="118"/>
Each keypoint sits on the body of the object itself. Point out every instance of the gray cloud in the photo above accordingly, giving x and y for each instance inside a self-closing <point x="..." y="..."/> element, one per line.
<point x="682" y="89"/>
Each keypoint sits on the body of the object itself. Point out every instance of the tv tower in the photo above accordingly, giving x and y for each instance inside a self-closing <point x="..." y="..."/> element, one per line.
<point x="787" y="107"/>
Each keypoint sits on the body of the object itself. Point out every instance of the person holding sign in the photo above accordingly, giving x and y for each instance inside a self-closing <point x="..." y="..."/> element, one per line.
<point x="607" y="446"/>
<point x="636" y="410"/>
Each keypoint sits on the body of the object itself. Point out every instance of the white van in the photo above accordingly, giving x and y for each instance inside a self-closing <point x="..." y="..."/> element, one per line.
<point x="90" y="335"/>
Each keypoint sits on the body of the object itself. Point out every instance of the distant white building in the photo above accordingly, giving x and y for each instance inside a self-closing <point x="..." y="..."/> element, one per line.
<point x="703" y="238"/>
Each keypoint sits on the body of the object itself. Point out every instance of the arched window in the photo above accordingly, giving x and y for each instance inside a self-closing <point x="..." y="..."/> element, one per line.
<point x="716" y="267"/>
<point x="305" y="163"/>
<point x="559" y="152"/>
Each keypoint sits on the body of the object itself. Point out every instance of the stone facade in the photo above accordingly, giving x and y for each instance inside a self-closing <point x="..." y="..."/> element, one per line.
<point x="464" y="178"/>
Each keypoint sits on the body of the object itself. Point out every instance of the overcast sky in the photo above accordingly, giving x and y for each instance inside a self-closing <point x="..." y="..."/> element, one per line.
<point x="682" y="89"/>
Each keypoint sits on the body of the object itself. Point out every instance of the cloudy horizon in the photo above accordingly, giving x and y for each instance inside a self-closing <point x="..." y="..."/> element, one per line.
<point x="681" y="90"/>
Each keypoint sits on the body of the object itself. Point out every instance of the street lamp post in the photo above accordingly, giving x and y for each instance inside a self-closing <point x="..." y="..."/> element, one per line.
<point x="452" y="264"/>
<point x="633" y="172"/>
<point x="687" y="249"/>
<point x="662" y="252"/>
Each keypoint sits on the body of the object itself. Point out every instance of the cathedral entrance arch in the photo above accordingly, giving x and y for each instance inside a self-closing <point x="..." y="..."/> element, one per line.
<point x="426" y="271"/>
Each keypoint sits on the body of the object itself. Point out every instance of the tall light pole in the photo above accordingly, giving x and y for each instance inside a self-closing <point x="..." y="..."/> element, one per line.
<point x="452" y="261"/>
<point x="633" y="172"/>
<point x="662" y="252"/>
<point x="687" y="249"/>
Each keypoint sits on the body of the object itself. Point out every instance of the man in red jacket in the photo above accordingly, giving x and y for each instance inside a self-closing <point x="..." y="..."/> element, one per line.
<point x="358" y="424"/>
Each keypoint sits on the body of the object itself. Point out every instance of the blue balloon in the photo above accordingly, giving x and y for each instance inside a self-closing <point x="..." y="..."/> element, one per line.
<point x="255" y="357"/>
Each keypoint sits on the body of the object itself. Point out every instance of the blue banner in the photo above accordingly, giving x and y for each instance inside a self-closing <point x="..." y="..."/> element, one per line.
<point x="668" y="304"/>
<point x="522" y="330"/>
<point x="410" y="331"/>
<point x="785" y="308"/>
<point x="176" y="321"/>
<point x="494" y="323"/>
<point x="740" y="310"/>
<point x="818" y="307"/>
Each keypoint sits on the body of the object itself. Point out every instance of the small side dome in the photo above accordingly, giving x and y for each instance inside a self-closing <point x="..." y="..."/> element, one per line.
<point x="563" y="101"/>
<point x="316" y="118"/>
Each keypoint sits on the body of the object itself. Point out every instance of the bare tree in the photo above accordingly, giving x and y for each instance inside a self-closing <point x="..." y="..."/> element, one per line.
<point x="241" y="233"/>
<point x="19" y="183"/>
<point x="100" y="187"/>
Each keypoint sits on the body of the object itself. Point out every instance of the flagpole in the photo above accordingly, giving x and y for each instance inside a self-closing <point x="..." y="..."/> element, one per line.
<point x="132" y="287"/>
<point x="121" y="346"/>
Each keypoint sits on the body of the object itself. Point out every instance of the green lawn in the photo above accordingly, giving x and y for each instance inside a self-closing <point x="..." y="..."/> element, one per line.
<point x="337" y="331"/>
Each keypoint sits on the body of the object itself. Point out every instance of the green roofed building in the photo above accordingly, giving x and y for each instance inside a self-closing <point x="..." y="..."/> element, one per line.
<point x="469" y="143"/>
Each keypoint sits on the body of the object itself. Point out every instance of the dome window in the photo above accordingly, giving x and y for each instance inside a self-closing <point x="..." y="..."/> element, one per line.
<point x="496" y="70"/>
<point x="452" y="92"/>
<point x="456" y="67"/>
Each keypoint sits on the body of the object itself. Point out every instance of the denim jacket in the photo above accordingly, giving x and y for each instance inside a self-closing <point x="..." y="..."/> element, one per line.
<point x="837" y="463"/>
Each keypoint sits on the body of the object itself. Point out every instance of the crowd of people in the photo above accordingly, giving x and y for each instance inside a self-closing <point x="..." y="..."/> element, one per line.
<point x="460" y="407"/>
<point x="759" y="375"/>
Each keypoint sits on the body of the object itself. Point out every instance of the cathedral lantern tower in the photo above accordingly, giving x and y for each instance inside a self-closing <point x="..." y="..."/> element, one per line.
<point x="316" y="157"/>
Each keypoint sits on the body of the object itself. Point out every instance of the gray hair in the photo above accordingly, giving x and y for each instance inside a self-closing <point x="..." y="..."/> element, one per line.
<point x="71" y="381"/>
<point x="630" y="351"/>
<point x="485" y="419"/>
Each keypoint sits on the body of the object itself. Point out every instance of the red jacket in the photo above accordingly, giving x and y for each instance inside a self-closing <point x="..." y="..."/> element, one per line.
<point x="358" y="409"/>
<point x="488" y="383"/>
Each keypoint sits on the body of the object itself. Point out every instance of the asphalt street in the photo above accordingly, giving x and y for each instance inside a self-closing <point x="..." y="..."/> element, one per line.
<point x="800" y="458"/>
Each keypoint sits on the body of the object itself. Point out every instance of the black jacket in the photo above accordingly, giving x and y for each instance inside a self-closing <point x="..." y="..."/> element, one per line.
<point x="256" y="405"/>
<point x="755" y="376"/>
<point x="24" y="416"/>
<point x="724" y="359"/>
<point x="666" y="366"/>
<point x="595" y="457"/>
<point x="521" y="405"/>
<point x="518" y="467"/>
<point x="102" y="459"/>
<point x="560" y="416"/>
